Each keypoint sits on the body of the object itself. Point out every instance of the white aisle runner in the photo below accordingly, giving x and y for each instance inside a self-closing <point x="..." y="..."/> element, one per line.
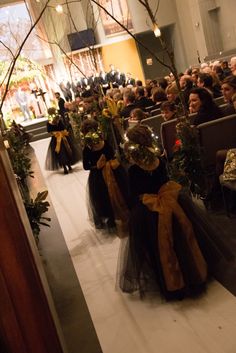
<point x="124" y="323"/>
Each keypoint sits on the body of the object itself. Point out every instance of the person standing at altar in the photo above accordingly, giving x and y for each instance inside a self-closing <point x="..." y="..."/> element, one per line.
<point x="119" y="78"/>
<point x="77" y="86"/>
<point x="62" y="110"/>
<point x="111" y="76"/>
<point x="103" y="81"/>
<point x="66" y="90"/>
<point x="129" y="79"/>
<point x="96" y="83"/>
<point x="22" y="100"/>
<point x="61" y="105"/>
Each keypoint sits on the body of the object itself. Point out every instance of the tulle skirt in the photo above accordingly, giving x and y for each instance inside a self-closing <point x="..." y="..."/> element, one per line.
<point x="99" y="204"/>
<point x="55" y="160"/>
<point x="139" y="265"/>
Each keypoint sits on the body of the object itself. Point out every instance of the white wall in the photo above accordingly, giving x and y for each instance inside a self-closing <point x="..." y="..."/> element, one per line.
<point x="227" y="23"/>
<point x="167" y="14"/>
<point x="192" y="30"/>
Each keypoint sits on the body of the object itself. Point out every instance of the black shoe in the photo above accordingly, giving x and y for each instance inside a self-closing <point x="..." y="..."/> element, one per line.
<point x="70" y="168"/>
<point x="65" y="171"/>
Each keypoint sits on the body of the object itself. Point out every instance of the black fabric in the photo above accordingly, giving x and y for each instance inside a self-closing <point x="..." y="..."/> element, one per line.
<point x="228" y="109"/>
<point x="61" y="107"/>
<point x="140" y="267"/>
<point x="99" y="200"/>
<point x="64" y="158"/>
<point x="143" y="103"/>
<point x="204" y="115"/>
<point x="125" y="112"/>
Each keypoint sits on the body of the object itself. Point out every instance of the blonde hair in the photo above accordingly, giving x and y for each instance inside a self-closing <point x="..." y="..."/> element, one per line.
<point x="172" y="88"/>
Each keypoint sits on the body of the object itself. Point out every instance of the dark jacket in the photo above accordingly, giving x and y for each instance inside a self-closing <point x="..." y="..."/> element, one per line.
<point x="207" y="114"/>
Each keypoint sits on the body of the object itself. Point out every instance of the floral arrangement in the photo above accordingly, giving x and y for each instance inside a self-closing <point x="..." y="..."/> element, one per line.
<point x="185" y="167"/>
<point x="113" y="108"/>
<point x="35" y="208"/>
<point x="92" y="137"/>
<point x="140" y="153"/>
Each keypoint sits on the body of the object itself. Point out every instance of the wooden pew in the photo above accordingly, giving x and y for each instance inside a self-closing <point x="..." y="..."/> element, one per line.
<point x="216" y="135"/>
<point x="154" y="122"/>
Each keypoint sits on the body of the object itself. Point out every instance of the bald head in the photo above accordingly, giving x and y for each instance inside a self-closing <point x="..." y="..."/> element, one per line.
<point x="233" y="64"/>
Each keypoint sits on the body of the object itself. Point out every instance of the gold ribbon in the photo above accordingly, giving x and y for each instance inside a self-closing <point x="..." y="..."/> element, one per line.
<point x="166" y="204"/>
<point x="61" y="136"/>
<point x="117" y="201"/>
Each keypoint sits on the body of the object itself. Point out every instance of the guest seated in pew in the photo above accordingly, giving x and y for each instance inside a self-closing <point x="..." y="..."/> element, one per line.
<point x="158" y="97"/>
<point x="129" y="101"/>
<point x="148" y="91"/>
<point x="163" y="83"/>
<point x="225" y="68"/>
<point x="229" y="93"/>
<point x="206" y="81"/>
<point x="168" y="111"/>
<point x="141" y="101"/>
<point x="172" y="93"/>
<point x="138" y="83"/>
<point x="186" y="84"/>
<point x="202" y="103"/>
<point x="228" y="89"/>
<point x="137" y="115"/>
<point x="195" y="73"/>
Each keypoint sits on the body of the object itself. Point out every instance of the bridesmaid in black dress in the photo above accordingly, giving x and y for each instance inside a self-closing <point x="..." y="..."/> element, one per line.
<point x="107" y="182"/>
<point x="171" y="246"/>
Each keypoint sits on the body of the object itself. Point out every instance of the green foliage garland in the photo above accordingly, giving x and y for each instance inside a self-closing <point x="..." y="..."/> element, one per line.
<point x="185" y="167"/>
<point x="35" y="208"/>
<point x="21" y="165"/>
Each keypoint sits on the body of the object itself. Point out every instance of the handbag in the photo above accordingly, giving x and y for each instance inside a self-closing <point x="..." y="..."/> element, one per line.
<point x="229" y="173"/>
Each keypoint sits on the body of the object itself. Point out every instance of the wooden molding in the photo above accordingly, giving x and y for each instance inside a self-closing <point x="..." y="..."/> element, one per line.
<point x="27" y="316"/>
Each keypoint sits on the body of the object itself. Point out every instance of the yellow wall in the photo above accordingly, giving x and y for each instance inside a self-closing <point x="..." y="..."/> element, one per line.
<point x="124" y="56"/>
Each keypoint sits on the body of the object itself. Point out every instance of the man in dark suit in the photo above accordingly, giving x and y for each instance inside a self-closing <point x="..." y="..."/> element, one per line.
<point x="65" y="88"/>
<point x="77" y="86"/>
<point x="103" y="81"/>
<point x="142" y="102"/>
<point x="111" y="76"/>
<point x="129" y="80"/>
<point x="119" y="78"/>
<point x="61" y="104"/>
<point x="129" y="100"/>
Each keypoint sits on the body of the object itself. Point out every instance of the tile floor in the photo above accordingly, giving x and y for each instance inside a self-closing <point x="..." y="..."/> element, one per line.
<point x="124" y="323"/>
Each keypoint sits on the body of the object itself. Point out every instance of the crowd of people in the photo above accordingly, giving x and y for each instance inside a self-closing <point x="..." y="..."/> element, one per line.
<point x="167" y="240"/>
<point x="95" y="83"/>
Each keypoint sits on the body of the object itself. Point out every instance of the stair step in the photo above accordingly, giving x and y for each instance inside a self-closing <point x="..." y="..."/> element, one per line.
<point x="37" y="130"/>
<point x="40" y="136"/>
<point x="34" y="124"/>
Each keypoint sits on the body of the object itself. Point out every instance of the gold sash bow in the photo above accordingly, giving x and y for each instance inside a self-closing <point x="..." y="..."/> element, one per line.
<point x="61" y="136"/>
<point x="117" y="201"/>
<point x="166" y="204"/>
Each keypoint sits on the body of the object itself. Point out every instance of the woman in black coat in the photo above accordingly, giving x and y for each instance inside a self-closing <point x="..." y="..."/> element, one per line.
<point x="202" y="103"/>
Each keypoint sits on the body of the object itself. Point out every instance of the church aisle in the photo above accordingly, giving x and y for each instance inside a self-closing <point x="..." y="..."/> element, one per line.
<point x="124" y="323"/>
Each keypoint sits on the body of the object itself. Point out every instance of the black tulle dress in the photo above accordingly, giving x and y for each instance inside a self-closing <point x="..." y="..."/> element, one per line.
<point x="100" y="206"/>
<point x="68" y="153"/>
<point x="139" y="267"/>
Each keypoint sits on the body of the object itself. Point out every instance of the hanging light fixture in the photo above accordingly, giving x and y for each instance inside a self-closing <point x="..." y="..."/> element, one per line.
<point x="156" y="30"/>
<point x="59" y="9"/>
